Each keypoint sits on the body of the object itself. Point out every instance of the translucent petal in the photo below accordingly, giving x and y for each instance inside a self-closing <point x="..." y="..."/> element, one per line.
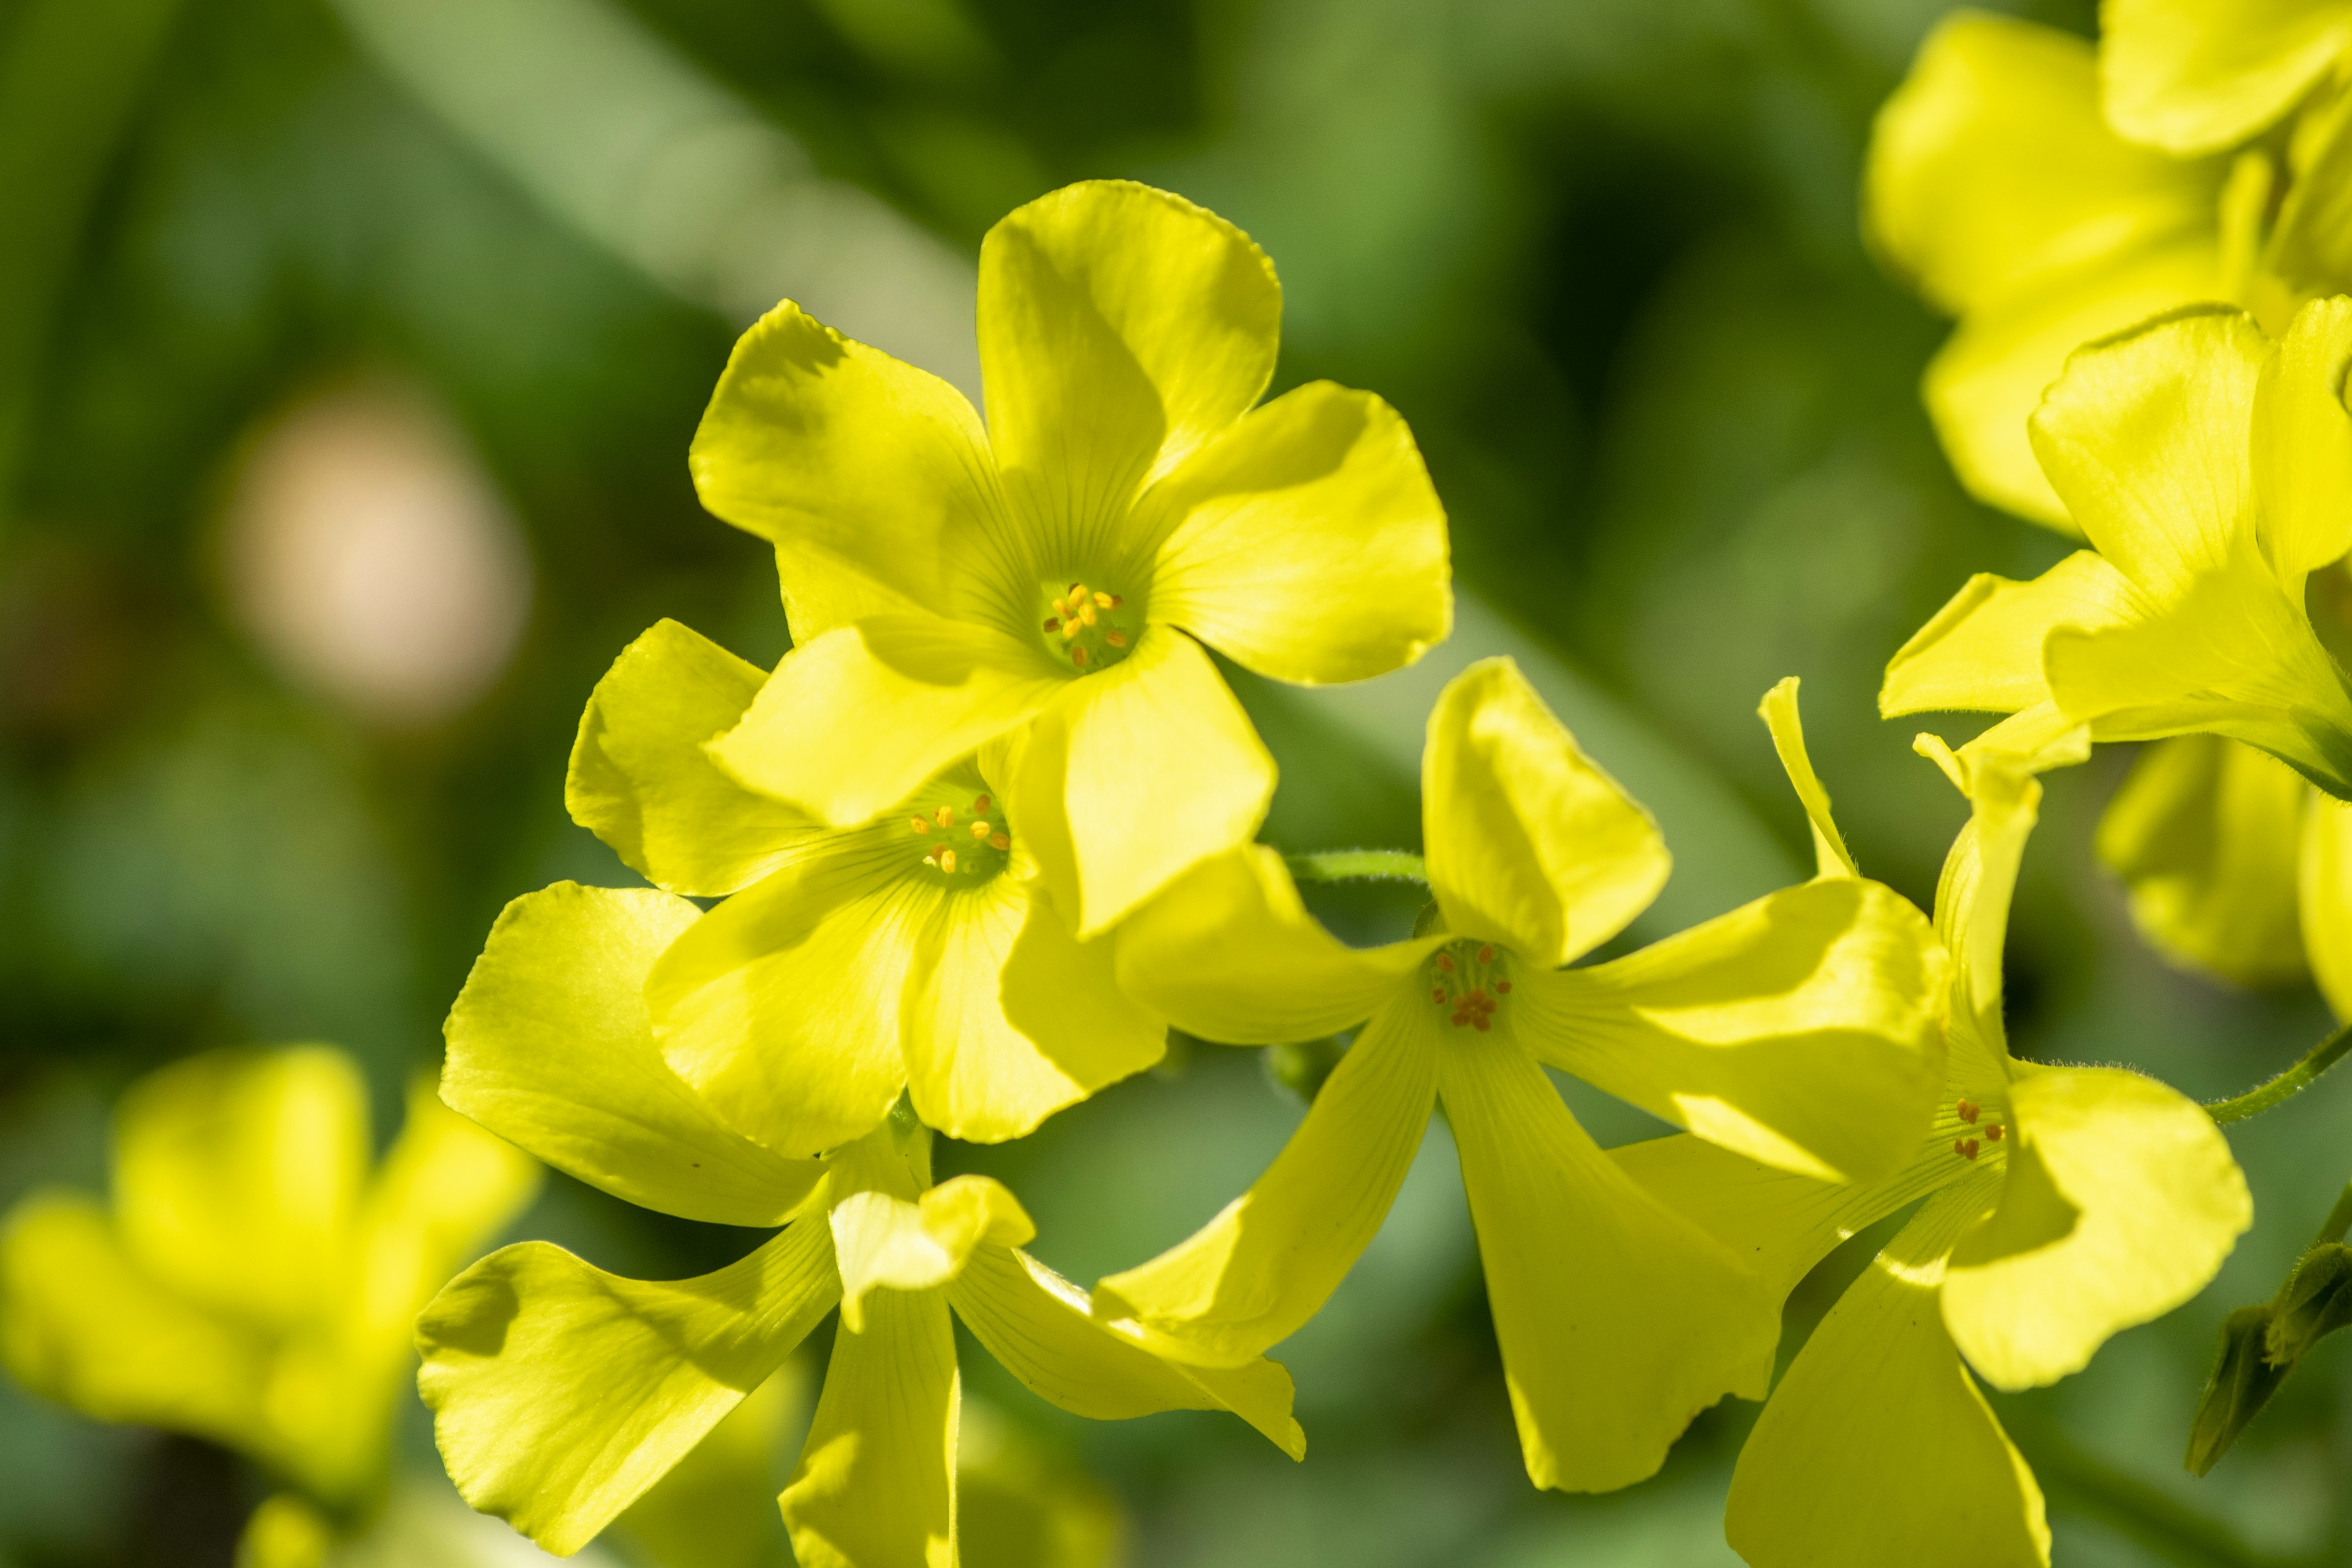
<point x="1779" y="711"/>
<point x="1982" y="651"/>
<point x="881" y="1242"/>
<point x="2191" y="76"/>
<point x="2302" y="442"/>
<point x="876" y="1486"/>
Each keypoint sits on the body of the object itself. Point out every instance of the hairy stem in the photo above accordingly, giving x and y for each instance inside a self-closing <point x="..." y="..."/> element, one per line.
<point x="1357" y="866"/>
<point x="2286" y="1084"/>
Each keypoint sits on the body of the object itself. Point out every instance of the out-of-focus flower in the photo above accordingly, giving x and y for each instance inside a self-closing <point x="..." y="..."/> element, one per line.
<point x="1800" y="1030"/>
<point x="372" y="557"/>
<point x="2197" y="76"/>
<point x="849" y="964"/>
<point x="1055" y="576"/>
<point x="252" y="1282"/>
<point x="562" y="1393"/>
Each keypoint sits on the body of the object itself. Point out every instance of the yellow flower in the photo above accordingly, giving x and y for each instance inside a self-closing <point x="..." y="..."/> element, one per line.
<point x="562" y="1392"/>
<point x="1800" y="1029"/>
<point x="2063" y="1204"/>
<point x="2206" y="467"/>
<point x="2194" y="76"/>
<point x="252" y="1283"/>
<point x="1055" y="575"/>
<point x="914" y="952"/>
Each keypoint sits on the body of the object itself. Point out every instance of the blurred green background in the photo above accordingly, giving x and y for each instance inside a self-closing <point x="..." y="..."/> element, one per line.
<point x="349" y="353"/>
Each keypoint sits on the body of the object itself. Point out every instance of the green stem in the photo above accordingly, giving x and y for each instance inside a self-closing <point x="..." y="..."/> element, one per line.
<point x="2339" y="1219"/>
<point x="2288" y="1084"/>
<point x="1357" y="866"/>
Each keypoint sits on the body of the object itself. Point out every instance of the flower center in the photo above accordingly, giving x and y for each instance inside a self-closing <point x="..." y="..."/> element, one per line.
<point x="964" y="839"/>
<point x="1969" y="1144"/>
<point x="1090" y="628"/>
<point x="1468" y="980"/>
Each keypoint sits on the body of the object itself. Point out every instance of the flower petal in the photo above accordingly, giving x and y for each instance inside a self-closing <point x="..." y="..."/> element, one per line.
<point x="1779" y="711"/>
<point x="1877" y="1447"/>
<point x="885" y="1242"/>
<point x="550" y="1047"/>
<point x="1982" y="651"/>
<point x="1230" y="953"/>
<point x="854" y="722"/>
<point x="1010" y="1018"/>
<point x="2324" y="893"/>
<point x="871" y="478"/>
<point x="641" y="781"/>
<point x="2206" y="835"/>
<point x="559" y="1392"/>
<point x="1529" y="843"/>
<point x="876" y="1486"/>
<point x="2302" y="442"/>
<point x="1306" y="543"/>
<point x="1254" y="1275"/>
<point x="781" y="1008"/>
<point x="1039" y="1325"/>
<point x="2193" y="75"/>
<point x="1802" y="1030"/>
<point x="1120" y="327"/>
<point x="1776" y="1223"/>
<point x="237" y="1177"/>
<point x="1618" y="1319"/>
<point x="2120" y="1204"/>
<point x="1138" y="775"/>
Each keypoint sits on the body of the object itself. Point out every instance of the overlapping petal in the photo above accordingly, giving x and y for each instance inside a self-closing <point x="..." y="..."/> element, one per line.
<point x="2192" y="75"/>
<point x="2301" y="444"/>
<point x="876" y="1486"/>
<point x="882" y="1242"/>
<point x="1982" y="651"/>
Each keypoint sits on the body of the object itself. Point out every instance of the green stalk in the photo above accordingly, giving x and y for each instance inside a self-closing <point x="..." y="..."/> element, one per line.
<point x="2286" y="1084"/>
<point x="1357" y="866"/>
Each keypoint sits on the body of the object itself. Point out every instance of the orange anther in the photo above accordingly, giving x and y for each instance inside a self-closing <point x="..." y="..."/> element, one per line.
<point x="1967" y="1110"/>
<point x="1117" y="600"/>
<point x="980" y="803"/>
<point x="1460" y="1019"/>
<point x="922" y="824"/>
<point x="1437" y="993"/>
<point x="1966" y="1148"/>
<point x="998" y="841"/>
<point x="1078" y="656"/>
<point x="1481" y="1024"/>
<point x="947" y="860"/>
<point x="1995" y="1133"/>
<point x="1115" y="639"/>
<point x="1501" y="987"/>
<point x="1053" y="623"/>
<point x="1446" y="961"/>
<point x="1486" y="953"/>
<point x="944" y="817"/>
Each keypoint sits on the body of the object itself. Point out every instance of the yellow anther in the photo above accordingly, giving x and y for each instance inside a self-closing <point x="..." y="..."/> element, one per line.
<point x="1104" y="600"/>
<point x="979" y="830"/>
<point x="1115" y="639"/>
<point x="944" y="817"/>
<point x="998" y="841"/>
<point x="947" y="860"/>
<point x="922" y="824"/>
<point x="1086" y="614"/>
<point x="981" y="803"/>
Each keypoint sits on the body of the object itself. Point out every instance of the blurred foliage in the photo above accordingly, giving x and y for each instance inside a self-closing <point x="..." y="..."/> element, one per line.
<point x="1603" y="255"/>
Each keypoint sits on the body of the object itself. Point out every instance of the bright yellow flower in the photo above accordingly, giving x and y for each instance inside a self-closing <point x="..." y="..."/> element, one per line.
<point x="2197" y="76"/>
<point x="1055" y="574"/>
<point x="252" y="1283"/>
<point x="2063" y="1205"/>
<point x="1800" y="1030"/>
<point x="912" y="953"/>
<point x="562" y="1392"/>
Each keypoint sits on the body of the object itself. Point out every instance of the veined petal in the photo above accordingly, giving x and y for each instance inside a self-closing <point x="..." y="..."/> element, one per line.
<point x="237" y="1177"/>
<point x="2121" y="1201"/>
<point x="559" y="1392"/>
<point x="1802" y="1030"/>
<point x="81" y="1323"/>
<point x="1618" y="1319"/>
<point x="1529" y="843"/>
<point x="1877" y="1447"/>
<point x="1972" y="899"/>
<point x="1982" y="651"/>
<point x="886" y="1243"/>
<point x="781" y="1006"/>
<point x="2302" y="442"/>
<point x="1137" y="775"/>
<point x="550" y="1047"/>
<point x="1120" y="327"/>
<point x="871" y="478"/>
<point x="1230" y="953"/>
<point x="1779" y="711"/>
<point x="2193" y="75"/>
<point x="1251" y="1277"/>
<point x="876" y="1486"/>
<point x="2324" y="893"/>
<point x="641" y="781"/>
<point x="1009" y="1017"/>
<point x="1776" y="1223"/>
<point x="1041" y="1327"/>
<point x="1306" y="543"/>
<point x="2206" y="833"/>
<point x="857" y="719"/>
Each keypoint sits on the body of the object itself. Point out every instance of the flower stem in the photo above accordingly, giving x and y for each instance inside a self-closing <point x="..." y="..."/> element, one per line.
<point x="1357" y="866"/>
<point x="2286" y="1084"/>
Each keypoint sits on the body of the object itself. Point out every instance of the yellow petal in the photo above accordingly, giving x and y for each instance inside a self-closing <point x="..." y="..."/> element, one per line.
<point x="1137" y="775"/>
<point x="717" y="1506"/>
<point x="237" y="1177"/>
<point x="551" y="1046"/>
<point x="641" y="781"/>
<point x="1040" y="1326"/>
<point x="2206" y="833"/>
<point x="2191" y="76"/>
<point x="1877" y="1447"/>
<point x="2120" y="1203"/>
<point x="855" y="721"/>
<point x="285" y="1532"/>
<point x="886" y="1243"/>
<point x="2324" y="893"/>
<point x="1972" y="899"/>
<point x="1529" y="843"/>
<point x="781" y="1006"/>
<point x="1230" y="953"/>
<point x="1306" y="543"/>
<point x="1802" y="1030"/>
<point x="1776" y="1223"/>
<point x="871" y="478"/>
<point x="1779" y="711"/>
<point x="1618" y="1319"/>
<point x="1120" y="327"/>
<point x="1982" y="651"/>
<point x="1251" y="1277"/>
<point x="876" y="1486"/>
<point x="1010" y="1018"/>
<point x="2303" y="443"/>
<point x="559" y="1392"/>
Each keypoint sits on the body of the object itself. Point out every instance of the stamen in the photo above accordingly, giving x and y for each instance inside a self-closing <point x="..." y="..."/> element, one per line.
<point x="1115" y="639"/>
<point x="1086" y="614"/>
<point x="1053" y="623"/>
<point x="1502" y="987"/>
<point x="1966" y="1148"/>
<point x="1437" y="993"/>
<point x="998" y="841"/>
<point x="1078" y="592"/>
<point x="1446" y="961"/>
<point x="1078" y="656"/>
<point x="1117" y="600"/>
<point x="922" y="824"/>
<point x="979" y="830"/>
<point x="1967" y="1110"/>
<point x="1104" y="600"/>
<point x="1486" y="953"/>
<point x="1995" y="1133"/>
<point x="980" y="803"/>
<point x="947" y="860"/>
<point x="944" y="817"/>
